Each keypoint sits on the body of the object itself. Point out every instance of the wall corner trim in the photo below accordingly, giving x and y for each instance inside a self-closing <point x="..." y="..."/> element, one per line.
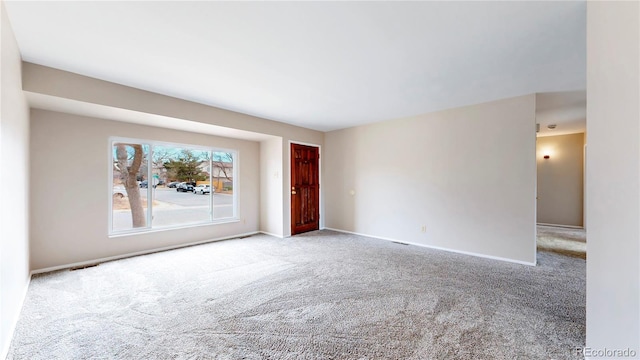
<point x="271" y="234"/>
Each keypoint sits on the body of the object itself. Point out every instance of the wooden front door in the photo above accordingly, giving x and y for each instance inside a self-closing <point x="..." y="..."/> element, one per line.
<point x="305" y="189"/>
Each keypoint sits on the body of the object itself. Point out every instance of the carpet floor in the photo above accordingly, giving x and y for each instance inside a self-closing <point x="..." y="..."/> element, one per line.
<point x="561" y="240"/>
<point x="320" y="295"/>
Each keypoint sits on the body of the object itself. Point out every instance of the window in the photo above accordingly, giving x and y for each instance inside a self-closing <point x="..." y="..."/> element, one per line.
<point x="158" y="185"/>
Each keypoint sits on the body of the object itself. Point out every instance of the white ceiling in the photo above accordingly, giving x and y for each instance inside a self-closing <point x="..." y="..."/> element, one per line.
<point x="321" y="65"/>
<point x="567" y="110"/>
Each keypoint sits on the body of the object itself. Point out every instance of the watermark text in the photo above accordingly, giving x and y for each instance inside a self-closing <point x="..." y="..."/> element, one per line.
<point x="605" y="352"/>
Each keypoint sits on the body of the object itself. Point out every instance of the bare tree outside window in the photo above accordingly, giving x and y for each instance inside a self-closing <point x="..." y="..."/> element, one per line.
<point x="223" y="171"/>
<point x="130" y="160"/>
<point x="170" y="176"/>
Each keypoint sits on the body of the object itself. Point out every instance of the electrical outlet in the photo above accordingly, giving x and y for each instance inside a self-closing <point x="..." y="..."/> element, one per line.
<point x="423" y="228"/>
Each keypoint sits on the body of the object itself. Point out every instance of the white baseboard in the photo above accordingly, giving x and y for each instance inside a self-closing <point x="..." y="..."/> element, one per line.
<point x="14" y="323"/>
<point x="271" y="234"/>
<point x="137" y="253"/>
<point x="561" y="226"/>
<point x="439" y="248"/>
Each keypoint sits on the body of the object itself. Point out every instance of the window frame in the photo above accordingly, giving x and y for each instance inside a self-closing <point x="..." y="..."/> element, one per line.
<point x="149" y="211"/>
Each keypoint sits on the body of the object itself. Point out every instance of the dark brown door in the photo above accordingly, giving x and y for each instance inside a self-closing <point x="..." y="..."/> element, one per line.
<point x="305" y="189"/>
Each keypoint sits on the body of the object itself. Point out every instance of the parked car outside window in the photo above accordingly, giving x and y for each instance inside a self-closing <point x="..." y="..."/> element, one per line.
<point x="202" y="189"/>
<point x="173" y="184"/>
<point x="184" y="187"/>
<point x="145" y="184"/>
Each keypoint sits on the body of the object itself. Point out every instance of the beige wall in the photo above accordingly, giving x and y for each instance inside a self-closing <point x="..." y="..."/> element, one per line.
<point x="14" y="180"/>
<point x="467" y="174"/>
<point x="613" y="175"/>
<point x="48" y="81"/>
<point x="76" y="91"/>
<point x="70" y="182"/>
<point x="271" y="187"/>
<point x="560" y="179"/>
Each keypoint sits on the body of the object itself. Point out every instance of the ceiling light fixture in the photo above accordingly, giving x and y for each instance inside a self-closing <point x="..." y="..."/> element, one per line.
<point x="551" y="126"/>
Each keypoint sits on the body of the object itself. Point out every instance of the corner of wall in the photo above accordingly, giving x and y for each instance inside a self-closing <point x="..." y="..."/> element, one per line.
<point x="14" y="208"/>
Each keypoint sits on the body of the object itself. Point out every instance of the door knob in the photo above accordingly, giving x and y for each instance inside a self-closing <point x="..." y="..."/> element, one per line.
<point x="293" y="192"/>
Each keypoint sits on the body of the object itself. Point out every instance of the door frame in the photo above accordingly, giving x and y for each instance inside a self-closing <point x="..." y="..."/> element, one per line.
<point x="288" y="182"/>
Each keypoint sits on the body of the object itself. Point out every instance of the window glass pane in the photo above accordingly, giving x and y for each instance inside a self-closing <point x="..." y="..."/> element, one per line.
<point x="180" y="184"/>
<point x="181" y="195"/>
<point x="222" y="178"/>
<point x="130" y="169"/>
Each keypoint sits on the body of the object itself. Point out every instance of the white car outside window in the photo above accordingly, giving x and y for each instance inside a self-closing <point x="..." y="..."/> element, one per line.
<point x="202" y="189"/>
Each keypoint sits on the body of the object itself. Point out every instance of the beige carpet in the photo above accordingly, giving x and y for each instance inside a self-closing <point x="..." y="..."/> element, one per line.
<point x="567" y="241"/>
<point x="321" y="295"/>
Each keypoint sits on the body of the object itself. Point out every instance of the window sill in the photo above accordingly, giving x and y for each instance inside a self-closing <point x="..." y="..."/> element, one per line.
<point x="171" y="228"/>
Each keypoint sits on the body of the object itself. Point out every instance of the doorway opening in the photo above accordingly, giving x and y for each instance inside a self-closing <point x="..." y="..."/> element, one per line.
<point x="560" y="168"/>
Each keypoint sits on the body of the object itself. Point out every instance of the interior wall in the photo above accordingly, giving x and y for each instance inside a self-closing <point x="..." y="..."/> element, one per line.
<point x="271" y="174"/>
<point x="613" y="175"/>
<point x="70" y="182"/>
<point x="78" y="90"/>
<point x="14" y="185"/>
<point x="466" y="175"/>
<point x="560" y="179"/>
